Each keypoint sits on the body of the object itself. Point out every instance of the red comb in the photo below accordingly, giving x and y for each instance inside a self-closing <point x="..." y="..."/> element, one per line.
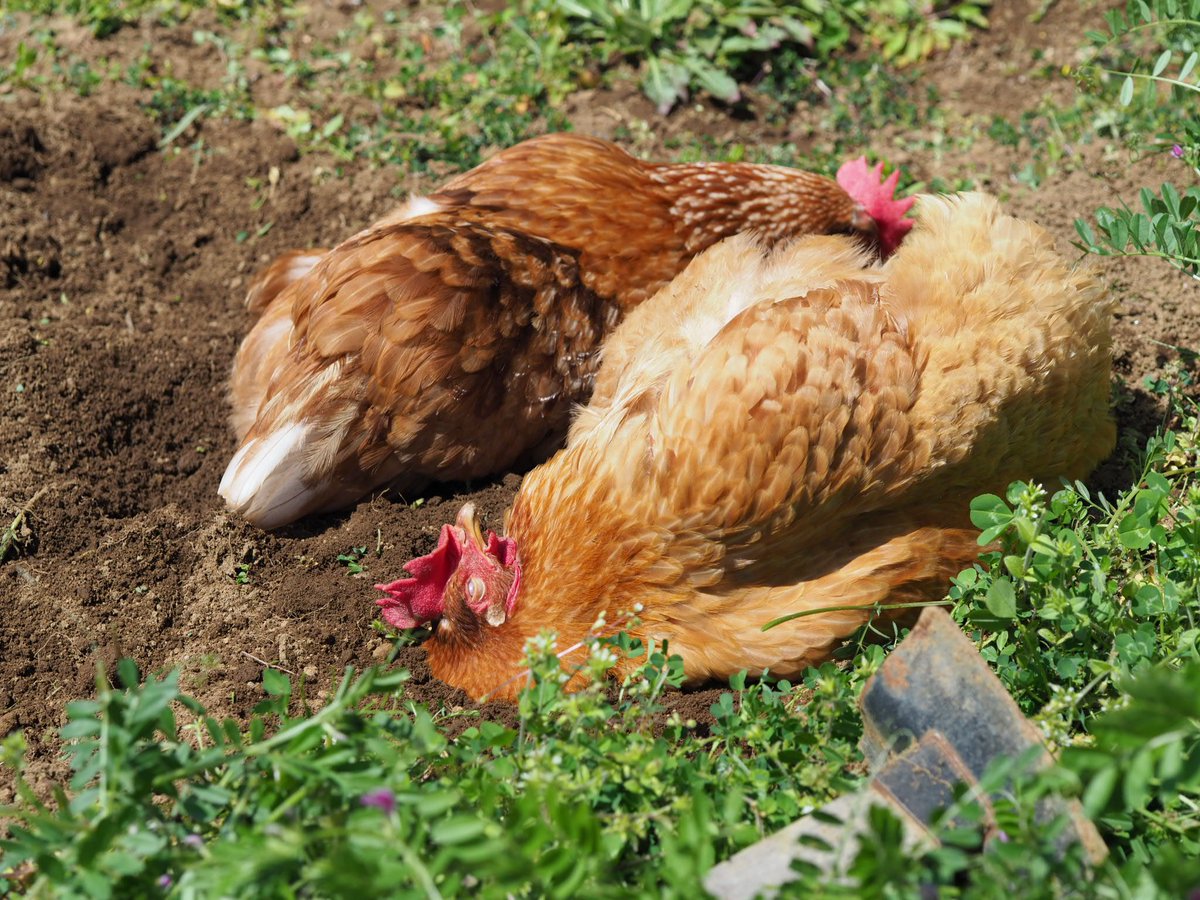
<point x="412" y="601"/>
<point x="505" y="550"/>
<point x="877" y="194"/>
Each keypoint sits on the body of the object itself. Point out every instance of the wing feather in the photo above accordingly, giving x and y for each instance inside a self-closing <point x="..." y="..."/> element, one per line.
<point x="441" y="314"/>
<point x="796" y="405"/>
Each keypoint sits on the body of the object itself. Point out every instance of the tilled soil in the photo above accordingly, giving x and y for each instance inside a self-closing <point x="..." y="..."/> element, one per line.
<point x="122" y="271"/>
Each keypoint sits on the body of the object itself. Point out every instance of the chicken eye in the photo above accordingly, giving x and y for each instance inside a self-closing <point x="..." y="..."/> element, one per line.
<point x="475" y="589"/>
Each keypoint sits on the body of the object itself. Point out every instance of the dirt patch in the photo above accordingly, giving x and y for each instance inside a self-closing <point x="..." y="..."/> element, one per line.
<point x="122" y="268"/>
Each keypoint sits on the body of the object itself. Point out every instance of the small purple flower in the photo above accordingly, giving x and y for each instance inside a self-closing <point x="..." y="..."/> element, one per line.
<point x="165" y="881"/>
<point x="1002" y="837"/>
<point x="1177" y="151"/>
<point x="382" y="799"/>
<point x="194" y="841"/>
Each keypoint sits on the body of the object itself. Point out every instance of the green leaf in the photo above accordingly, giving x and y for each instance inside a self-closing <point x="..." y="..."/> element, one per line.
<point x="895" y="43"/>
<point x="1188" y="65"/>
<point x="1118" y="234"/>
<point x="276" y="683"/>
<point x="1026" y="530"/>
<point x="575" y="8"/>
<point x="665" y="83"/>
<point x="1085" y="232"/>
<point x="1100" y="789"/>
<point x="1067" y="667"/>
<point x="1015" y="566"/>
<point x="332" y="126"/>
<point x="1147" y="502"/>
<point x="1134" y="533"/>
<point x="1171" y="197"/>
<point x="458" y="830"/>
<point x="97" y="884"/>
<point x="1141" y="232"/>
<point x="1136" y="787"/>
<point x="1149" y="201"/>
<point x="1126" y="95"/>
<point x="82" y="709"/>
<point x="715" y="81"/>
<point x="183" y="124"/>
<point x="127" y="672"/>
<point x="674" y="10"/>
<point x="79" y="728"/>
<point x="432" y="805"/>
<point x="1001" y="600"/>
<point x="798" y="31"/>
<point x="989" y="511"/>
<point x="1164" y="59"/>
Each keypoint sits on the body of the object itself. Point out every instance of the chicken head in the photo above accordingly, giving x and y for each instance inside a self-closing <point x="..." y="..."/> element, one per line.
<point x="462" y="580"/>
<point x="876" y="195"/>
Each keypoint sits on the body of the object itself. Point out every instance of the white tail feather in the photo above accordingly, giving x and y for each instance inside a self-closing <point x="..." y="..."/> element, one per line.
<point x="265" y="479"/>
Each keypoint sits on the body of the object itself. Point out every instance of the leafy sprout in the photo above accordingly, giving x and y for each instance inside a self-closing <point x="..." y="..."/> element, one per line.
<point x="1167" y="225"/>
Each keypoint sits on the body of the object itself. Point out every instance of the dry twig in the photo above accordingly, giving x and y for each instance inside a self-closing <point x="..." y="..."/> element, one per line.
<point x="12" y="536"/>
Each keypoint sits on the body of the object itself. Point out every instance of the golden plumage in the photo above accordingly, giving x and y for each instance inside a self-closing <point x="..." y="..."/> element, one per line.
<point x="449" y="340"/>
<point x="792" y="429"/>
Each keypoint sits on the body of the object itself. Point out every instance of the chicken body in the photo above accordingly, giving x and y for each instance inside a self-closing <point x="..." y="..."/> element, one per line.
<point x="449" y="340"/>
<point x="782" y="431"/>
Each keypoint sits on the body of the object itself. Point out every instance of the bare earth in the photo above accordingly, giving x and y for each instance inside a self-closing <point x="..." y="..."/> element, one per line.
<point x="121" y="285"/>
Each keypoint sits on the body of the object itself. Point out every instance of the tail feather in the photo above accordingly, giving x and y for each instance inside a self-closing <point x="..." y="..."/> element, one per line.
<point x="309" y="440"/>
<point x="1018" y="344"/>
<point x="284" y="269"/>
<point x="261" y="355"/>
<point x="264" y="481"/>
<point x="308" y="450"/>
<point x="263" y="351"/>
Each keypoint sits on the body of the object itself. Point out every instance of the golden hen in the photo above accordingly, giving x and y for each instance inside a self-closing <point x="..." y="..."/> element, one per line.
<point x="779" y="431"/>
<point x="449" y="340"/>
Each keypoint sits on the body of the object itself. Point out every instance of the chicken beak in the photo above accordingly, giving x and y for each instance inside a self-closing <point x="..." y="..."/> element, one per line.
<point x="468" y="522"/>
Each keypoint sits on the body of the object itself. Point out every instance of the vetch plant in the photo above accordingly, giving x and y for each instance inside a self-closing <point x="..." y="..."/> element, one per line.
<point x="1168" y="224"/>
<point x="596" y="792"/>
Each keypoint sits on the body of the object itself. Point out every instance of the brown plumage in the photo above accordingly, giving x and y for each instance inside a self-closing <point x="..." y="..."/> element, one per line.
<point x="780" y="431"/>
<point x="449" y="340"/>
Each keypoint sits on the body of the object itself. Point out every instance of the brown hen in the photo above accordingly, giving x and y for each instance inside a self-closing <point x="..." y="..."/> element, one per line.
<point x="449" y="340"/>
<point x="782" y="431"/>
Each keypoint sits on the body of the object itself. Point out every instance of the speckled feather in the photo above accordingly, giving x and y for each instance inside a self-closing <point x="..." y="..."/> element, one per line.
<point x="449" y="340"/>
<point x="785" y="431"/>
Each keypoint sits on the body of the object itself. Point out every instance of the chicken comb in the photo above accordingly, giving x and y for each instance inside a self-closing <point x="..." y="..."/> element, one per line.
<point x="877" y="195"/>
<point x="505" y="550"/>
<point x="413" y="601"/>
